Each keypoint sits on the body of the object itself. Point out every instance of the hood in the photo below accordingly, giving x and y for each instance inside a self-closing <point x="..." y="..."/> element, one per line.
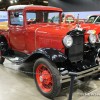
<point x="55" y="29"/>
<point x="51" y="36"/>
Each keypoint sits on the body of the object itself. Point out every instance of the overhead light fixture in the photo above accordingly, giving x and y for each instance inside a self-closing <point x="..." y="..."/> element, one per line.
<point x="15" y="1"/>
<point x="11" y="1"/>
<point x="0" y="0"/>
<point x="45" y="1"/>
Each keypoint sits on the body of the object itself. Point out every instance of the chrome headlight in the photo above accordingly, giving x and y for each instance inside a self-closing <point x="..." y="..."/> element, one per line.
<point x="91" y="31"/>
<point x="92" y="38"/>
<point x="68" y="41"/>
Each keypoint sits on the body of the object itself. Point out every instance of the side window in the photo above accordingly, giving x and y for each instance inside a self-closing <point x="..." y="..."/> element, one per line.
<point x="53" y="17"/>
<point x="31" y="17"/>
<point x="16" y="18"/>
<point x="34" y="17"/>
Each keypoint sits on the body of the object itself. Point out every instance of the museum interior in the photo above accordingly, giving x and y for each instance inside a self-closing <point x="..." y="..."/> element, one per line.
<point x="49" y="49"/>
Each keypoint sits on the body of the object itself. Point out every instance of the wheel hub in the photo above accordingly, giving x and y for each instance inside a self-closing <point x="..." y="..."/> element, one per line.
<point x="46" y="77"/>
<point x="41" y="79"/>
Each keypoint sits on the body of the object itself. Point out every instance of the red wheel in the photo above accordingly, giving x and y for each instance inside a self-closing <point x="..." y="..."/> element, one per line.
<point x="44" y="78"/>
<point x="47" y="77"/>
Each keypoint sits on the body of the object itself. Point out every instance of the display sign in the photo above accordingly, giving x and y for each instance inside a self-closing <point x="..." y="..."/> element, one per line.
<point x="3" y="16"/>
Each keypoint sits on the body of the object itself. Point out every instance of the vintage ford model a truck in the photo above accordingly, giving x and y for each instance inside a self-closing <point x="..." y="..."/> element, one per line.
<point x="35" y="36"/>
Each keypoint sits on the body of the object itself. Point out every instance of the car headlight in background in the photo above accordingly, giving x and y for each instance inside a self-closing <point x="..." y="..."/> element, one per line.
<point x="68" y="41"/>
<point x="91" y="31"/>
<point x="92" y="38"/>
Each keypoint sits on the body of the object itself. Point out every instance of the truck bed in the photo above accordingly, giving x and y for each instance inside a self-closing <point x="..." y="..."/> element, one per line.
<point x="4" y="25"/>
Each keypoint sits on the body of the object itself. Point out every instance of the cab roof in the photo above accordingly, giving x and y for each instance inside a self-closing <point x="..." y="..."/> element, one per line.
<point x="33" y="7"/>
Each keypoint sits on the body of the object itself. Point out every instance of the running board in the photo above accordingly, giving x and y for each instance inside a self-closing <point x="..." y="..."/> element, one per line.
<point x="13" y="59"/>
<point x="89" y="72"/>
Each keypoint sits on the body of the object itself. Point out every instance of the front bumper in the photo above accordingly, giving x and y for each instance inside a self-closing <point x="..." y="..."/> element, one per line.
<point x="89" y="72"/>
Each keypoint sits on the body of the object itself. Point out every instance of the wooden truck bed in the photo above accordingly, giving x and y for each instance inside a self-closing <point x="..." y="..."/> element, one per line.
<point x="4" y="25"/>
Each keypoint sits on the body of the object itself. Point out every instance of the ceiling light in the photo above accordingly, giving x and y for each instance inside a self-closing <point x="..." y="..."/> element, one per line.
<point x="11" y="1"/>
<point x="15" y="1"/>
<point x="45" y="1"/>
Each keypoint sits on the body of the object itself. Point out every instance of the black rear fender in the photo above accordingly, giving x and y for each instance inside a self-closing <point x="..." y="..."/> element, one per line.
<point x="3" y="42"/>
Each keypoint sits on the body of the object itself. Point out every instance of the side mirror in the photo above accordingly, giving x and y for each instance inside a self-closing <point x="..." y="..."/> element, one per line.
<point x="16" y="14"/>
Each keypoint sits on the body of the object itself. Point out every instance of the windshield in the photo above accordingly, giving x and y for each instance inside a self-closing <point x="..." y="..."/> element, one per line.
<point x="98" y="20"/>
<point x="91" y="19"/>
<point x="43" y="17"/>
<point x="16" y="18"/>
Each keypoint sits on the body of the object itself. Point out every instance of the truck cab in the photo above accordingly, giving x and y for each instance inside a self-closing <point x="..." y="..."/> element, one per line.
<point x="24" y="22"/>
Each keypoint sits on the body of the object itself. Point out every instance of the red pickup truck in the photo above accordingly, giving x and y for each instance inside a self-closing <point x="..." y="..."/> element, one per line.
<point x="35" y="35"/>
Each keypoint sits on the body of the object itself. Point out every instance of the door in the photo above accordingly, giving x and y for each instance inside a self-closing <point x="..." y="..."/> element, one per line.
<point x="17" y="31"/>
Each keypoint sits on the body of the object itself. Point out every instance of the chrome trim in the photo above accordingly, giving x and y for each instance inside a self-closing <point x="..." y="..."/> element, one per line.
<point x="66" y="78"/>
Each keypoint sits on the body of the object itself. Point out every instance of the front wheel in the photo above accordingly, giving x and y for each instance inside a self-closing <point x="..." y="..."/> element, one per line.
<point x="47" y="78"/>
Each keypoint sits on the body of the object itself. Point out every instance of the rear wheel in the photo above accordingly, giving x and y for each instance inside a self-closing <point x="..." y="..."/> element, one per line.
<point x="2" y="49"/>
<point x="1" y="58"/>
<point x="47" y="78"/>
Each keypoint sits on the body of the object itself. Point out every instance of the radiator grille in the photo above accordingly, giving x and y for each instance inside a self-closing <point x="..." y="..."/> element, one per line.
<point x="75" y="53"/>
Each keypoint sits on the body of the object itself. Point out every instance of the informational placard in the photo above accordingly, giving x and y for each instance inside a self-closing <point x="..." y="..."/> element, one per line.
<point x="3" y="16"/>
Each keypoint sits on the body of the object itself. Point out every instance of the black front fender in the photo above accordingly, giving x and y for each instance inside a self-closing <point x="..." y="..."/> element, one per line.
<point x="51" y="54"/>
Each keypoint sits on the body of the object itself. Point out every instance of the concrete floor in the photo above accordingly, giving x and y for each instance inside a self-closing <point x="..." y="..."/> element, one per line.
<point x="15" y="85"/>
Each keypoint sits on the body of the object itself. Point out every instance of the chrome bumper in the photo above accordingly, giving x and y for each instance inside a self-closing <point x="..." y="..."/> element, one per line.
<point x="66" y="78"/>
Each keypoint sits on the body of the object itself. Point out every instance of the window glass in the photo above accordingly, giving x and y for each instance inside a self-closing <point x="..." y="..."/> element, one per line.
<point x="31" y="17"/>
<point x="98" y="20"/>
<point x="42" y="17"/>
<point x="53" y="17"/>
<point x="91" y="19"/>
<point x="16" y="18"/>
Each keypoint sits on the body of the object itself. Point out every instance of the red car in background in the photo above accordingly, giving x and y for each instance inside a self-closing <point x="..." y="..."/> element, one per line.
<point x="92" y="26"/>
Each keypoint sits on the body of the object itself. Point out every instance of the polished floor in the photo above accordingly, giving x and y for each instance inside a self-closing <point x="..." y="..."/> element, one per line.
<point x="15" y="85"/>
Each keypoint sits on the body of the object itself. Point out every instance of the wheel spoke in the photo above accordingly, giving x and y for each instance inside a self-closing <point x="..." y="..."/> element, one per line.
<point x="44" y="78"/>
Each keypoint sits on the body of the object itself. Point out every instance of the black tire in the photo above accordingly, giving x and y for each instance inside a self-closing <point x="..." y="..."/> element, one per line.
<point x="1" y="58"/>
<point x="2" y="49"/>
<point x="56" y="86"/>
